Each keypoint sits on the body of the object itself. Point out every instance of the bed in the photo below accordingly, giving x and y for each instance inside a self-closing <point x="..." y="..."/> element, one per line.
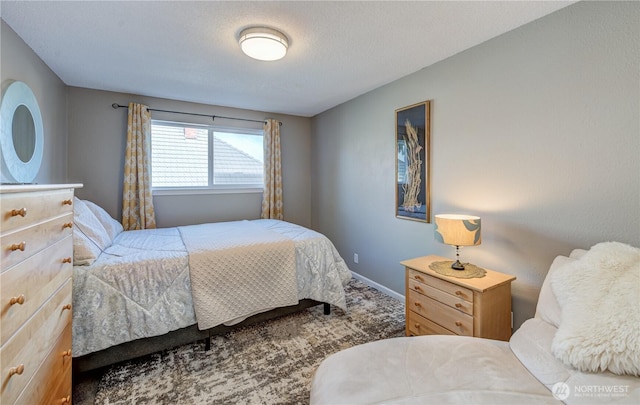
<point x="137" y="292"/>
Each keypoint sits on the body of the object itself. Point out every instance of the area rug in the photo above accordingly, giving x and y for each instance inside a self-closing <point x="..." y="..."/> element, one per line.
<point x="271" y="363"/>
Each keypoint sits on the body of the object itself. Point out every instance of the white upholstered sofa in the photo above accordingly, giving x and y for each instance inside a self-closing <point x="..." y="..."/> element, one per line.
<point x="527" y="369"/>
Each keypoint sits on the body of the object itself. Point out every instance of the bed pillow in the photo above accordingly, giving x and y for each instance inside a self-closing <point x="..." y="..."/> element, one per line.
<point x="600" y="321"/>
<point x="548" y="308"/>
<point x="89" y="236"/>
<point x="112" y="226"/>
<point x="85" y="251"/>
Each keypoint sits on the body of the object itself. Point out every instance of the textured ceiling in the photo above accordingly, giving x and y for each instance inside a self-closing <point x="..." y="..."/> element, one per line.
<point x="186" y="50"/>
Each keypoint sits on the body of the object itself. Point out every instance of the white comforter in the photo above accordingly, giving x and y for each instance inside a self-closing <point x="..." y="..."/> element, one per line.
<point x="140" y="286"/>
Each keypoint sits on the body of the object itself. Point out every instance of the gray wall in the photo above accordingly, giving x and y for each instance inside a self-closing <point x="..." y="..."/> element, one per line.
<point x="19" y="62"/>
<point x="97" y="141"/>
<point x="536" y="131"/>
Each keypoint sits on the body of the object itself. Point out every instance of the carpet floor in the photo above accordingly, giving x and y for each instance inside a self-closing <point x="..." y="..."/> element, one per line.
<point x="270" y="363"/>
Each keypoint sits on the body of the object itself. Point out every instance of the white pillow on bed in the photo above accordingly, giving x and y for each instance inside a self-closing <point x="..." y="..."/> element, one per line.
<point x="112" y="226"/>
<point x="85" y="251"/>
<point x="90" y="238"/>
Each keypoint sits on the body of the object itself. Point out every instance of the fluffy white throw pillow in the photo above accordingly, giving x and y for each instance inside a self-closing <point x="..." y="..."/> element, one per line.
<point x="600" y="299"/>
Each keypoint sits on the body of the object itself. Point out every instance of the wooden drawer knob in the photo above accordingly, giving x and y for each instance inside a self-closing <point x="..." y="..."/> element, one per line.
<point x="66" y="400"/>
<point x="458" y="293"/>
<point x="458" y="323"/>
<point x="17" y="300"/>
<point x="67" y="306"/>
<point x="67" y="225"/>
<point x="18" y="246"/>
<point x="417" y="277"/>
<point x="417" y="304"/>
<point x="417" y="326"/>
<point x="16" y="370"/>
<point x="458" y="305"/>
<point x="22" y="212"/>
<point x="67" y="202"/>
<point x="66" y="260"/>
<point x="417" y="288"/>
<point x="66" y="353"/>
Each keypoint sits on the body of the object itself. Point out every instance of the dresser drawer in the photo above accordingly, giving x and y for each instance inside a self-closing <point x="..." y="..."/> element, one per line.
<point x="32" y="282"/>
<point x="453" y="301"/>
<point x="445" y="316"/>
<point x="52" y="382"/>
<point x="452" y="289"/>
<point x="18" y="246"/>
<point x="35" y="207"/>
<point x="30" y="344"/>
<point x="419" y="325"/>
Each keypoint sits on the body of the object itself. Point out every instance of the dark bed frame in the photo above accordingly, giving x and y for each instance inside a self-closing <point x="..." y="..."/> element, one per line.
<point x="142" y="347"/>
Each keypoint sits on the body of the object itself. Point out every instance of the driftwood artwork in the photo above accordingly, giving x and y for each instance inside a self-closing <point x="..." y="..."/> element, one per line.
<point x="413" y="169"/>
<point x="412" y="162"/>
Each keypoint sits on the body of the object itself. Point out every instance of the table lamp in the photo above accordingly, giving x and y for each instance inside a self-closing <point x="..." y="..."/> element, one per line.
<point x="457" y="230"/>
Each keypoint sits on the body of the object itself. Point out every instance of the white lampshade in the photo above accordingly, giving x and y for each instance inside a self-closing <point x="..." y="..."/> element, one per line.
<point x="458" y="230"/>
<point x="263" y="43"/>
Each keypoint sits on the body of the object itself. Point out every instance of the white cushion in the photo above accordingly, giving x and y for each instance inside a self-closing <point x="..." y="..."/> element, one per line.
<point x="112" y="226"/>
<point x="531" y="344"/>
<point x="89" y="236"/>
<point x="85" y="251"/>
<point x="548" y="308"/>
<point x="600" y="324"/>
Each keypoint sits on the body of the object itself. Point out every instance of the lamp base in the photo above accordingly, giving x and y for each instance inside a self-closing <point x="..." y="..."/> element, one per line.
<point x="457" y="265"/>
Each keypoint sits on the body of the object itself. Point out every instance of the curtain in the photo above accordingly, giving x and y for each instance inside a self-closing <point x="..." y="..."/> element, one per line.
<point x="272" y="207"/>
<point x="137" y="202"/>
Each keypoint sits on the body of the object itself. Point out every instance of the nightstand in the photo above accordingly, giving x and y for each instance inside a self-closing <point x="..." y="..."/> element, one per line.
<point x="442" y="305"/>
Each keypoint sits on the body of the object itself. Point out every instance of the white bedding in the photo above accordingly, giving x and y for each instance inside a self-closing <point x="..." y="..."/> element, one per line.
<point x="140" y="285"/>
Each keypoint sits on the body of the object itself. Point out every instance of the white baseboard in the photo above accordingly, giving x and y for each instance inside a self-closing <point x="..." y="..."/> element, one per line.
<point x="378" y="287"/>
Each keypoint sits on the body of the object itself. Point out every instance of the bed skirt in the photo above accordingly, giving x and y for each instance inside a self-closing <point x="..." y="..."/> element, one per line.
<point x="190" y="334"/>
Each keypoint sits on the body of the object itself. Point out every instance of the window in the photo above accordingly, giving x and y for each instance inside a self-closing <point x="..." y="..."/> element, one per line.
<point x="191" y="156"/>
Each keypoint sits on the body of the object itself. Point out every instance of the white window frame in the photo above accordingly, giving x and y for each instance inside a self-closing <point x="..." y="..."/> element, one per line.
<point x="211" y="188"/>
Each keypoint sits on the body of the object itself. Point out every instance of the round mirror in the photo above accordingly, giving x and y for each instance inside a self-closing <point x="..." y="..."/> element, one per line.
<point x="23" y="132"/>
<point x="21" y="137"/>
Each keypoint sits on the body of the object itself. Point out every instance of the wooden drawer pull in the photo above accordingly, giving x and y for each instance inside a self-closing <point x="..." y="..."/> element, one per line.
<point x="417" y="277"/>
<point x="17" y="300"/>
<point x="67" y="225"/>
<point x="66" y="400"/>
<point x="417" y="325"/>
<point x="18" y="246"/>
<point x="417" y="288"/>
<point x="67" y="306"/>
<point x="16" y="370"/>
<point x="66" y="260"/>
<point x="458" y="323"/>
<point x="458" y="305"/>
<point x="417" y="304"/>
<point x="67" y="202"/>
<point x="66" y="353"/>
<point x="22" y="212"/>
<point x="458" y="293"/>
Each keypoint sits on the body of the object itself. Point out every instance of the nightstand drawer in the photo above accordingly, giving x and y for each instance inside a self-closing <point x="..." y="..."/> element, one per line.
<point x="445" y="316"/>
<point x="449" y="288"/>
<point x="419" y="325"/>
<point x="439" y="295"/>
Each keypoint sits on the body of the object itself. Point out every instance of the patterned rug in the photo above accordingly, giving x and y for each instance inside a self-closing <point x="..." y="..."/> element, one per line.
<point x="271" y="363"/>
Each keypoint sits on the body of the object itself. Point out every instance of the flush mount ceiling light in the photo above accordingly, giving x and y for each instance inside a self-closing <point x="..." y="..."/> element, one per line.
<point x="263" y="43"/>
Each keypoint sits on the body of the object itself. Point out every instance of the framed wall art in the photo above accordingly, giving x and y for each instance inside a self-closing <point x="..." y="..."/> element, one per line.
<point x="413" y="135"/>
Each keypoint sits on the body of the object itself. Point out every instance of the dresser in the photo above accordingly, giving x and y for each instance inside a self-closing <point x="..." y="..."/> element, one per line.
<point x="35" y="293"/>
<point x="442" y="305"/>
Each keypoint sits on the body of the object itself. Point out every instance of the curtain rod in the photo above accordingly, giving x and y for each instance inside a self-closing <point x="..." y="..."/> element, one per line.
<point x="213" y="117"/>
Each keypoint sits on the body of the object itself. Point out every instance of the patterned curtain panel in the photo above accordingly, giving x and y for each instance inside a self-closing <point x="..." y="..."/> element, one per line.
<point x="137" y="203"/>
<point x="272" y="207"/>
